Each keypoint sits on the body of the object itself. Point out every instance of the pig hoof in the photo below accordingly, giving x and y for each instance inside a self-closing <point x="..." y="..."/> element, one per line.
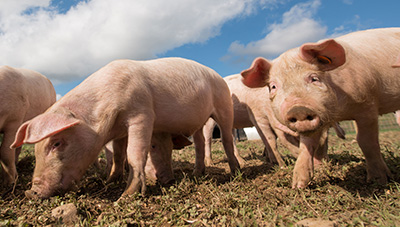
<point x="208" y="162"/>
<point x="241" y="162"/>
<point x="30" y="194"/>
<point x="198" y="173"/>
<point x="294" y="186"/>
<point x="382" y="180"/>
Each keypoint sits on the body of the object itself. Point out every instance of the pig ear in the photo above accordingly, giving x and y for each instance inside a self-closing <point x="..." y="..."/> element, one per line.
<point x="257" y="74"/>
<point x="42" y="127"/>
<point x="397" y="64"/>
<point x="328" y="54"/>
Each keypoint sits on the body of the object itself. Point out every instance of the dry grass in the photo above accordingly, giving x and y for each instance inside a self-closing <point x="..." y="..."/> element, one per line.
<point x="259" y="195"/>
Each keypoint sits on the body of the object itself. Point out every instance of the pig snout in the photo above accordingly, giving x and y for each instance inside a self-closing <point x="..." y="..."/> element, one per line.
<point x="40" y="189"/>
<point x="31" y="194"/>
<point x="302" y="119"/>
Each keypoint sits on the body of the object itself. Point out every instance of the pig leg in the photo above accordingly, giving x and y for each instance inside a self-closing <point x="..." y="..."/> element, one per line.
<point x="109" y="151"/>
<point x="8" y="157"/>
<point x="289" y="141"/>
<point x="225" y="124"/>
<point x="139" y="142"/>
<point x="199" y="167"/>
<point x="118" y="160"/>
<point x="241" y="161"/>
<point x="268" y="137"/>
<point x="207" y="132"/>
<point x="322" y="150"/>
<point x="17" y="153"/>
<point x="304" y="167"/>
<point x="368" y="140"/>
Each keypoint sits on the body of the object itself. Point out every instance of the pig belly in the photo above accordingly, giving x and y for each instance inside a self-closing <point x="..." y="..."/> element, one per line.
<point x="241" y="117"/>
<point x="182" y="122"/>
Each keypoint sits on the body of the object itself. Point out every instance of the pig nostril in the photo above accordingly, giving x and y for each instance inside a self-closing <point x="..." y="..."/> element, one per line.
<point x="310" y="118"/>
<point x="293" y="119"/>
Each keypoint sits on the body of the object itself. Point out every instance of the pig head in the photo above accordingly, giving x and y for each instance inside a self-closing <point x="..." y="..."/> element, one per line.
<point x="57" y="171"/>
<point x="347" y="78"/>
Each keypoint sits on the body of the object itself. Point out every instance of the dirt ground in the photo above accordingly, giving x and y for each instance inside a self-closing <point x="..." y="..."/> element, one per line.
<point x="260" y="195"/>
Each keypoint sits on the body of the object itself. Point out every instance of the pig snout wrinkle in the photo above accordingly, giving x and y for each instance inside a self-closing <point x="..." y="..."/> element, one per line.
<point x="302" y="119"/>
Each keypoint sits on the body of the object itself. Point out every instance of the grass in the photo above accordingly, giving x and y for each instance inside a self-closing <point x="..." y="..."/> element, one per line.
<point x="259" y="195"/>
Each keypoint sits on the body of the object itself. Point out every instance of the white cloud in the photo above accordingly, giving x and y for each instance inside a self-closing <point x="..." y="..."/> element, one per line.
<point x="297" y="27"/>
<point x="58" y="97"/>
<point x="74" y="44"/>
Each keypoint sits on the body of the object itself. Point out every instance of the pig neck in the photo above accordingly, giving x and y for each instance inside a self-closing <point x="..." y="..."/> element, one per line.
<point x="99" y="116"/>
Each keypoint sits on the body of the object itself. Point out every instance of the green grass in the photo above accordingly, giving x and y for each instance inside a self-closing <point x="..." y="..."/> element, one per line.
<point x="260" y="194"/>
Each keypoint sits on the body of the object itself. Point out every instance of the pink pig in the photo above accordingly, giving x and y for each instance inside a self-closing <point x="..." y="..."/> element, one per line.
<point x="25" y="94"/>
<point x="129" y="100"/>
<point x="251" y="109"/>
<point x="347" y="78"/>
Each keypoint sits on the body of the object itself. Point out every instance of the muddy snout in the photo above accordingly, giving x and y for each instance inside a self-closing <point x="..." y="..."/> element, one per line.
<point x="302" y="119"/>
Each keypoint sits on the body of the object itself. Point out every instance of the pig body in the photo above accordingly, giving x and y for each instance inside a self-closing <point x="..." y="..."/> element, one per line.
<point x="352" y="77"/>
<point x="252" y="109"/>
<point x="126" y="100"/>
<point x="24" y="94"/>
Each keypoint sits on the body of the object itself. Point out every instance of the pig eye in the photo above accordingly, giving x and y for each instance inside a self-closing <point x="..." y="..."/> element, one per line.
<point x="56" y="144"/>
<point x="272" y="86"/>
<point x="313" y="78"/>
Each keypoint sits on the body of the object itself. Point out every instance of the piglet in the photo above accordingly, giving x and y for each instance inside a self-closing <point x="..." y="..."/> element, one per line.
<point x="252" y="109"/>
<point x="352" y="77"/>
<point x="24" y="94"/>
<point x="129" y="100"/>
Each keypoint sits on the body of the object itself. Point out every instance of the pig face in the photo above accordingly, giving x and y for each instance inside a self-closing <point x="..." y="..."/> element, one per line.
<point x="299" y="85"/>
<point x="65" y="147"/>
<point x="159" y="163"/>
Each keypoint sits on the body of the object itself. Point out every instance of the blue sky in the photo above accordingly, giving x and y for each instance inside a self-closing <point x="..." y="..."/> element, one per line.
<point x="67" y="40"/>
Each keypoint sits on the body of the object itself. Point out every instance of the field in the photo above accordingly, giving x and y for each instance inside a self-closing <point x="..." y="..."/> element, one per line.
<point x="259" y="196"/>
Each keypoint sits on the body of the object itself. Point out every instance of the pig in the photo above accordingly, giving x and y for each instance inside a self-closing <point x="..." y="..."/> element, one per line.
<point x="25" y="94"/>
<point x="251" y="109"/>
<point x="347" y="78"/>
<point x="126" y="100"/>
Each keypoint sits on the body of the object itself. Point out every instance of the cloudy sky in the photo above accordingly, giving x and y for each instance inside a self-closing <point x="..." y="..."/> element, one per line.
<point x="67" y="40"/>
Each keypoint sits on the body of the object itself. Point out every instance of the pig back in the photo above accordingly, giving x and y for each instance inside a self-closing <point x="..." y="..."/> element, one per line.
<point x="40" y="93"/>
<point x="16" y="86"/>
<point x="185" y="94"/>
<point x="368" y="74"/>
